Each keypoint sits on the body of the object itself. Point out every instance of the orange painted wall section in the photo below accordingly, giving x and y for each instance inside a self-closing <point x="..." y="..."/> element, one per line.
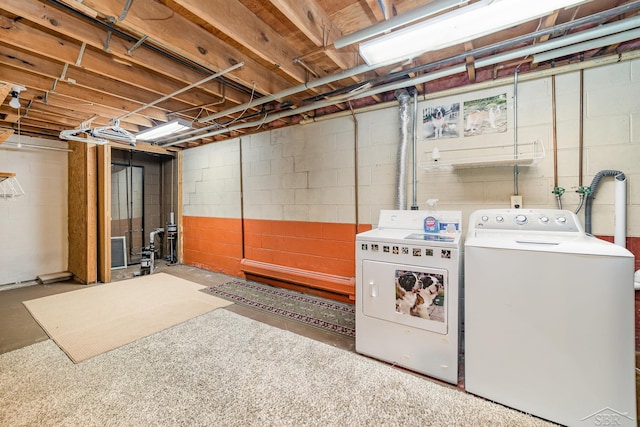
<point x="213" y="243"/>
<point x="216" y="244"/>
<point x="315" y="246"/>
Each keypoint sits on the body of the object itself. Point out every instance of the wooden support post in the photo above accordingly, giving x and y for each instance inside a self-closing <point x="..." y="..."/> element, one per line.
<point x="104" y="213"/>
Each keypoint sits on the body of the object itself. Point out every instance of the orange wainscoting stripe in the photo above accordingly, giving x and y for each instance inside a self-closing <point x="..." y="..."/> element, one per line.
<point x="314" y="254"/>
<point x="326" y="248"/>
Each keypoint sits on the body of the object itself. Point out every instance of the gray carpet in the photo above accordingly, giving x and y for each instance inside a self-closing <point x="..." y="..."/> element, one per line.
<point x="222" y="369"/>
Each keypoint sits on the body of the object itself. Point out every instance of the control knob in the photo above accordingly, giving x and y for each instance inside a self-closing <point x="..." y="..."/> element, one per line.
<point x="520" y="219"/>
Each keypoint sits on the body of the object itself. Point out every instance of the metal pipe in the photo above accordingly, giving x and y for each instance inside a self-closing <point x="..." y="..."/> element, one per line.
<point x="580" y="130"/>
<point x="355" y="165"/>
<point x="555" y="132"/>
<point x="423" y="79"/>
<point x="515" y="131"/>
<point x="418" y="80"/>
<point x="588" y="45"/>
<point x="32" y="146"/>
<point x="291" y="91"/>
<point x="184" y="89"/>
<point x="603" y="30"/>
<point x="401" y="159"/>
<point x="557" y="29"/>
<point x="414" y="204"/>
<point x="540" y="47"/>
<point x="397" y="21"/>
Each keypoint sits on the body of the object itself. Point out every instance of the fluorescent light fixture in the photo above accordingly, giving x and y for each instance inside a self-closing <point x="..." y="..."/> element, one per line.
<point x="461" y="25"/>
<point x="392" y="23"/>
<point x="165" y="129"/>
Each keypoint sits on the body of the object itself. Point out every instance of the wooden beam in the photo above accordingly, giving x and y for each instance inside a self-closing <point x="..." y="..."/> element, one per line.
<point x="82" y="217"/>
<point x="78" y="92"/>
<point x="96" y="65"/>
<point x="377" y="12"/>
<point x="5" y="88"/>
<point x="104" y="213"/>
<point x="59" y="22"/>
<point x="178" y="35"/>
<point x="244" y="27"/>
<point x="5" y="133"/>
<point x="318" y="26"/>
<point x="115" y="86"/>
<point x="470" y="63"/>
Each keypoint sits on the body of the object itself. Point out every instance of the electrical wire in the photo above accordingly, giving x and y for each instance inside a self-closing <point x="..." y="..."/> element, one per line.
<point x="253" y="91"/>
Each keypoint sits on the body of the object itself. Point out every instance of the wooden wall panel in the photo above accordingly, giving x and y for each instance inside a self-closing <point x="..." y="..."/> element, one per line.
<point x="104" y="213"/>
<point x="83" y="211"/>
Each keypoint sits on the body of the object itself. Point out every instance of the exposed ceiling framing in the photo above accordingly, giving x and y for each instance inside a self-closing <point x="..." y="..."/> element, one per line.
<point x="99" y="60"/>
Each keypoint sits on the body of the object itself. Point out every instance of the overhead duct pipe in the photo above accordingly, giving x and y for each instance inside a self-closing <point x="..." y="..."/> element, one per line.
<point x="401" y="173"/>
<point x="540" y="47"/>
<point x="475" y="52"/>
<point x="620" y="219"/>
<point x="414" y="161"/>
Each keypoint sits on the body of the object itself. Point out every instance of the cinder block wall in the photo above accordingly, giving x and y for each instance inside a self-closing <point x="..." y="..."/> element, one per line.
<point x="265" y="196"/>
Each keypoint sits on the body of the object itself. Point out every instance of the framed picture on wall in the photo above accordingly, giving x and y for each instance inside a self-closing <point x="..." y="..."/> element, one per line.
<point x="441" y="121"/>
<point x="485" y="115"/>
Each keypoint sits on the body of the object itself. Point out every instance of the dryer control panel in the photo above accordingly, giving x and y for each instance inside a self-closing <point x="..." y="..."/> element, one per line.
<point x="538" y="220"/>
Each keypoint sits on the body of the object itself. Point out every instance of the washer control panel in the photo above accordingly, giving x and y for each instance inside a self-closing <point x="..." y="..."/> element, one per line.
<point x="554" y="220"/>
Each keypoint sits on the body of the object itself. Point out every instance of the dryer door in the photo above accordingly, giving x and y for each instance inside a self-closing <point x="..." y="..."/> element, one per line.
<point x="406" y="294"/>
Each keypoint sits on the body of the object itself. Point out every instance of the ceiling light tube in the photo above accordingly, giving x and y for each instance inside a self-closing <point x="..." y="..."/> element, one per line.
<point x="165" y="129"/>
<point x="461" y="25"/>
<point x="397" y="21"/>
<point x="588" y="45"/>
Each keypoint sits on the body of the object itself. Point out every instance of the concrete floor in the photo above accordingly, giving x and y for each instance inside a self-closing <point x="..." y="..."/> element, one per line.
<point x="18" y="329"/>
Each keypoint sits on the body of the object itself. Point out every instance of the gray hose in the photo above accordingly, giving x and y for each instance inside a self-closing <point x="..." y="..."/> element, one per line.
<point x="594" y="187"/>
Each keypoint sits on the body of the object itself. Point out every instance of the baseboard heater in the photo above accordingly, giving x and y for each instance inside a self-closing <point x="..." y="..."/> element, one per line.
<point x="312" y="279"/>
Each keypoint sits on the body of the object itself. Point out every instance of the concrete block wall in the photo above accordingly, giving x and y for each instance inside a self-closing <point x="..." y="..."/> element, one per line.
<point x="147" y="202"/>
<point x="33" y="228"/>
<point x="306" y="174"/>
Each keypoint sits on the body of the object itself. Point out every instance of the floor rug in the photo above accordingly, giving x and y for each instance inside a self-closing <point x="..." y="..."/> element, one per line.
<point x="87" y="322"/>
<point x="223" y="369"/>
<point x="322" y="313"/>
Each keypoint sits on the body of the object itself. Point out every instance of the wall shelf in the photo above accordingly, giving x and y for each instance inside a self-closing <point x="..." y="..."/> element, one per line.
<point x="528" y="155"/>
<point x="6" y="175"/>
<point x="10" y="188"/>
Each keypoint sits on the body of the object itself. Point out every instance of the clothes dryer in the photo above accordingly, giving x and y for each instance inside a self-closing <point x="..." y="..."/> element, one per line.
<point x="408" y="289"/>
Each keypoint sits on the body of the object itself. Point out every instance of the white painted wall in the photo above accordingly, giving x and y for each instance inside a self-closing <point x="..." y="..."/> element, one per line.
<point x="33" y="228"/>
<point x="306" y="172"/>
<point x="211" y="180"/>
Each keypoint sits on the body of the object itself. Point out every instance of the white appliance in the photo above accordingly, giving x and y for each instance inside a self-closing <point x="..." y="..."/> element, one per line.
<point x="549" y="318"/>
<point x="408" y="289"/>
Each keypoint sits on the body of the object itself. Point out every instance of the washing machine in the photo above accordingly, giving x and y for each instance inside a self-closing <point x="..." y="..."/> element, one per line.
<point x="407" y="291"/>
<point x="549" y="318"/>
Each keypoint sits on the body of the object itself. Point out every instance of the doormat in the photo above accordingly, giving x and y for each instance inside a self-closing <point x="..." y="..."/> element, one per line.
<point x="326" y="314"/>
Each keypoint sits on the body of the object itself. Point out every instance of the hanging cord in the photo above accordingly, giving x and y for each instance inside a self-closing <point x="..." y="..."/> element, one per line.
<point x="19" y="121"/>
<point x="253" y="91"/>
